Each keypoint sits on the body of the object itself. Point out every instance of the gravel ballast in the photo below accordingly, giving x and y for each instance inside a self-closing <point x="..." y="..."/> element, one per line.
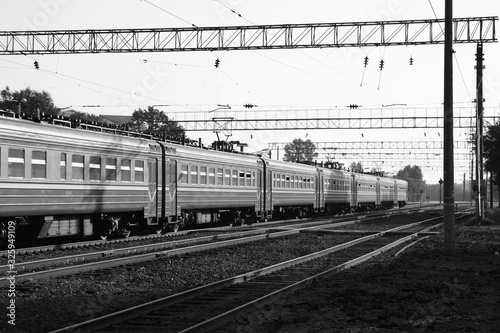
<point x="49" y="304"/>
<point x="421" y="290"/>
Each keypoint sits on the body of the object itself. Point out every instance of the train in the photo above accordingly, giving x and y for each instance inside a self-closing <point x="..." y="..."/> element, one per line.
<point x="58" y="178"/>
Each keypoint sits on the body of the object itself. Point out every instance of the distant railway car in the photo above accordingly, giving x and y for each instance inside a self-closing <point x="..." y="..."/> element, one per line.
<point x="387" y="189"/>
<point x="213" y="185"/>
<point x="401" y="192"/>
<point x="365" y="192"/>
<point x="56" y="180"/>
<point x="337" y="191"/>
<point x="295" y="190"/>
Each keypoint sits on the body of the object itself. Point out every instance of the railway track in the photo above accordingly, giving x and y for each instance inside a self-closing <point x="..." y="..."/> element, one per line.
<point x="153" y="237"/>
<point x="209" y="306"/>
<point x="106" y="259"/>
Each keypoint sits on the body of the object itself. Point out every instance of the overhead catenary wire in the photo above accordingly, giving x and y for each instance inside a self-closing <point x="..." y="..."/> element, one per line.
<point x="171" y="14"/>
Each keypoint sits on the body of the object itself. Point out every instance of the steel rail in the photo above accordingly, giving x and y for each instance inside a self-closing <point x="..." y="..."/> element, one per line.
<point x="261" y="302"/>
<point x="30" y="265"/>
<point x="140" y="258"/>
<point x="87" y="243"/>
<point x="120" y="316"/>
<point x="267" y="233"/>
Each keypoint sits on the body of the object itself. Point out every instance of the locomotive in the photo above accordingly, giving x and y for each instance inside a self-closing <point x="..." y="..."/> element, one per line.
<point x="57" y="180"/>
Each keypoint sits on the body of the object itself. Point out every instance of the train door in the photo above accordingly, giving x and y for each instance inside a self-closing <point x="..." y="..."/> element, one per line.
<point x="269" y="194"/>
<point x="354" y="191"/>
<point x="264" y="202"/>
<point x="173" y="209"/>
<point x="259" y="204"/>
<point x="395" y="193"/>
<point x="151" y="212"/>
<point x="319" y="202"/>
<point x="377" y="193"/>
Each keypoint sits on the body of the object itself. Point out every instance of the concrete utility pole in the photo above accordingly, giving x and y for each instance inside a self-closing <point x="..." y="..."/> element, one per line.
<point x="449" y="200"/>
<point x="480" y="201"/>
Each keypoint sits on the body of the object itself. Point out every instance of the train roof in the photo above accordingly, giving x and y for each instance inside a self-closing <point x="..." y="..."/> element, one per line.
<point x="43" y="132"/>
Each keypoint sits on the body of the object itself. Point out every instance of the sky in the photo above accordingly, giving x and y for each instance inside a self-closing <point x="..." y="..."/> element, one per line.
<point x="271" y="79"/>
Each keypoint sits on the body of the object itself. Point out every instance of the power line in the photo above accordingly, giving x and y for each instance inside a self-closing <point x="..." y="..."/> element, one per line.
<point x="166" y="11"/>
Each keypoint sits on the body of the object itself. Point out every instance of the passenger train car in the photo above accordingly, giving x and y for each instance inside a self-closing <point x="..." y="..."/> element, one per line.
<point x="56" y="180"/>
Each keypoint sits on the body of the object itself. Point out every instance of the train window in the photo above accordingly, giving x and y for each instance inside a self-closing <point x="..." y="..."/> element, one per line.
<point x="16" y="163"/>
<point x="62" y="166"/>
<point x="194" y="174"/>
<point x="125" y="170"/>
<point x="241" y="178"/>
<point x="211" y="176"/>
<point x="253" y="179"/>
<point x="38" y="164"/>
<point x="248" y="180"/>
<point x="283" y="181"/>
<point x="235" y="178"/>
<point x="111" y="169"/>
<point x="77" y="167"/>
<point x="95" y="168"/>
<point x="139" y="171"/>
<point x="184" y="174"/>
<point x="203" y="175"/>
<point x="227" y="177"/>
<point x="220" y="176"/>
<point x="287" y="181"/>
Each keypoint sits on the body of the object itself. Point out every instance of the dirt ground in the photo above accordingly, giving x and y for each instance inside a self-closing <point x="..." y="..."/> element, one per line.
<point x="421" y="290"/>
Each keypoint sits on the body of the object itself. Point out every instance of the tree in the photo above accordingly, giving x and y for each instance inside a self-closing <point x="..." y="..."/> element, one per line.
<point x="416" y="186"/>
<point x="300" y="151"/>
<point x="491" y="147"/>
<point x="83" y="116"/>
<point x="410" y="173"/>
<point x="356" y="167"/>
<point x="155" y="122"/>
<point x="31" y="101"/>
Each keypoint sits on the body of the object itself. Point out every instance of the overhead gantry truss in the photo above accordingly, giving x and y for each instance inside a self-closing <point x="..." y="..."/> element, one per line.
<point x="462" y="166"/>
<point x="384" y="151"/>
<point x="385" y="145"/>
<point x="363" y="118"/>
<point x="254" y="37"/>
<point x="390" y="154"/>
